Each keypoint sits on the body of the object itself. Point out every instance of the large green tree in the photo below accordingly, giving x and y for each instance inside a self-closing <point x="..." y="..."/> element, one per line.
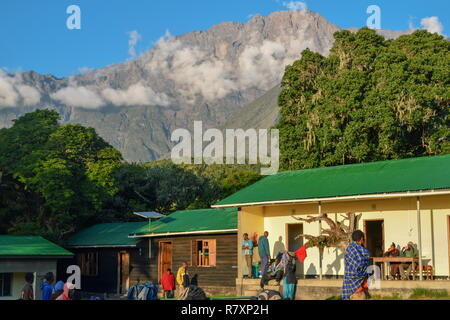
<point x="370" y="99"/>
<point x="57" y="177"/>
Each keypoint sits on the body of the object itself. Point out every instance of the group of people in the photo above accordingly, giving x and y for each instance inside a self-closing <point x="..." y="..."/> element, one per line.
<point x="402" y="270"/>
<point x="356" y="261"/>
<point x="282" y="268"/>
<point x="50" y="291"/>
<point x="182" y="278"/>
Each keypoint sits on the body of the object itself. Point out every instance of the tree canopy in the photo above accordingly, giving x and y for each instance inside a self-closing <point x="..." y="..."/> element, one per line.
<point x="59" y="176"/>
<point x="370" y="99"/>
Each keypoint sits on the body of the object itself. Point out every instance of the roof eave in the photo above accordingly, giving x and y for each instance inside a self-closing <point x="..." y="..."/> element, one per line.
<point x="404" y="194"/>
<point x="169" y="234"/>
<point x="12" y="256"/>
<point x="102" y="246"/>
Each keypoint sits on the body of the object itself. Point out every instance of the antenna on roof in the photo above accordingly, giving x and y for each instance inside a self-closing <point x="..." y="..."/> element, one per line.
<point x="149" y="216"/>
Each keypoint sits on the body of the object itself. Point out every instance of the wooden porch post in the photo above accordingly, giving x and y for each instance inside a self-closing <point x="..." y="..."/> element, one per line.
<point x="320" y="233"/>
<point x="419" y="238"/>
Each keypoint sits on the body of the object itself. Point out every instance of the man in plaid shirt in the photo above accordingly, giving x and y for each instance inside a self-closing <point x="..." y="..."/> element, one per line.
<point x="356" y="262"/>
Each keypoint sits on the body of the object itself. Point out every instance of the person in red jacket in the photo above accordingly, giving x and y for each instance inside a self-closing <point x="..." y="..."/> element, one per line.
<point x="168" y="284"/>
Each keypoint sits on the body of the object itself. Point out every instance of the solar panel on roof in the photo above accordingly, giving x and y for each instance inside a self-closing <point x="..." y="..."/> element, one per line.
<point x="149" y="215"/>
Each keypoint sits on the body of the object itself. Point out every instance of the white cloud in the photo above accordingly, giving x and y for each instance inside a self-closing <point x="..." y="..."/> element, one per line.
<point x="432" y="24"/>
<point x="199" y="72"/>
<point x="83" y="70"/>
<point x="136" y="94"/>
<point x="14" y="93"/>
<point x="260" y="66"/>
<point x="82" y="97"/>
<point x="295" y="5"/>
<point x="90" y="98"/>
<point x="132" y="42"/>
<point x="30" y="96"/>
<point x="411" y="23"/>
<point x="193" y="70"/>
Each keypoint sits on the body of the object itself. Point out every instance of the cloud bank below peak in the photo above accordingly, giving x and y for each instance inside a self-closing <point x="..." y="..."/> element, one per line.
<point x="13" y="92"/>
<point x="93" y="98"/>
<point x="196" y="71"/>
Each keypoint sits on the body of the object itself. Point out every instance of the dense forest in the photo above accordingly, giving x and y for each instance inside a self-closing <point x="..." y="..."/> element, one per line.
<point x="56" y="179"/>
<point x="370" y="99"/>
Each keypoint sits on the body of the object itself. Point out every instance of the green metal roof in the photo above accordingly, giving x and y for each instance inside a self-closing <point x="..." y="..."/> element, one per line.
<point x="415" y="174"/>
<point x="105" y="235"/>
<point x="192" y="221"/>
<point x="30" y="246"/>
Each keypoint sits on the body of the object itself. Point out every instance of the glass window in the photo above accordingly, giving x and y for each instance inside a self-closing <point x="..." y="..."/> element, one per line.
<point x="5" y="284"/>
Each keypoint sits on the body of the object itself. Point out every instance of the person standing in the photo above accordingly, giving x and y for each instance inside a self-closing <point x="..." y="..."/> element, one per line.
<point x="168" y="284"/>
<point x="183" y="278"/>
<point x="356" y="262"/>
<point x="27" y="290"/>
<point x="47" y="286"/>
<point x="290" y="279"/>
<point x="264" y="252"/>
<point x="247" y="252"/>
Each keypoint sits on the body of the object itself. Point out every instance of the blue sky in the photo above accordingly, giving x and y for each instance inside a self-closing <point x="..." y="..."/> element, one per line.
<point x="34" y="35"/>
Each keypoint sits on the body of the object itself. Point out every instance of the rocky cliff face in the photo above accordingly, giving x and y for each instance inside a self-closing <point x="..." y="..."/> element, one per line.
<point x="202" y="75"/>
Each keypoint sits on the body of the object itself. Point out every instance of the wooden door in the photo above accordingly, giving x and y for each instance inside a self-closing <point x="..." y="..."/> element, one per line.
<point x="165" y="257"/>
<point x="374" y="232"/>
<point x="124" y="272"/>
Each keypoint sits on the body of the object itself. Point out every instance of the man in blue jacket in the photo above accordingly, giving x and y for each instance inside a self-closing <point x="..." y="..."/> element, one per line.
<point x="264" y="252"/>
<point x="47" y="286"/>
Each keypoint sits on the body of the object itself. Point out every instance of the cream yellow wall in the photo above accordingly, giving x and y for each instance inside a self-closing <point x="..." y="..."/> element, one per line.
<point x="400" y="226"/>
<point x="16" y="286"/>
<point x="250" y="220"/>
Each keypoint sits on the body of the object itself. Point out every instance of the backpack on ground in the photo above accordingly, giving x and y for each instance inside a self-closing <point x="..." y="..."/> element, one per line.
<point x="193" y="293"/>
<point x="148" y="291"/>
<point x="196" y="293"/>
<point x="269" y="295"/>
<point x="132" y="293"/>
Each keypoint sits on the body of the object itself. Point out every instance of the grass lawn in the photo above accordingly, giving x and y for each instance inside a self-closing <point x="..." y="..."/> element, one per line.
<point x="418" y="294"/>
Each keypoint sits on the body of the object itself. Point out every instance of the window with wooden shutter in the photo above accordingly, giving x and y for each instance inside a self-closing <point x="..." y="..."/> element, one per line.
<point x="194" y="253"/>
<point x="204" y="253"/>
<point x="212" y="253"/>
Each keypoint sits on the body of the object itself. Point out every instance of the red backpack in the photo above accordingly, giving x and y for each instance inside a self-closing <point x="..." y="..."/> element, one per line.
<point x="255" y="239"/>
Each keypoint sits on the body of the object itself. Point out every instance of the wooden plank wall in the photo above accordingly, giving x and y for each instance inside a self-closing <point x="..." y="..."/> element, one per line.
<point x="106" y="280"/>
<point x="224" y="274"/>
